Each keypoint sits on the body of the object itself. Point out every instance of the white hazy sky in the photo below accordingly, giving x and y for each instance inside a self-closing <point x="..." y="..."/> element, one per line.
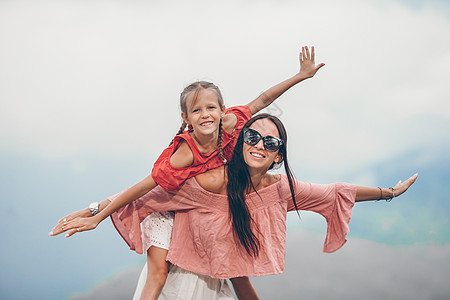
<point x="101" y="76"/>
<point x="101" y="79"/>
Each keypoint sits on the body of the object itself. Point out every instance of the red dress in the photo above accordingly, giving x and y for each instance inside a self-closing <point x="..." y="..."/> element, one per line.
<point x="171" y="178"/>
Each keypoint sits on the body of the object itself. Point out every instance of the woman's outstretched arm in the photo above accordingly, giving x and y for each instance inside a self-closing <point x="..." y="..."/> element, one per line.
<point x="375" y="193"/>
<point x="308" y="69"/>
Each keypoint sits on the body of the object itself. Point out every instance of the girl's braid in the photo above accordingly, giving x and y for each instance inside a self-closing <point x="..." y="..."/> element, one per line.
<point x="219" y="143"/>
<point x="182" y="127"/>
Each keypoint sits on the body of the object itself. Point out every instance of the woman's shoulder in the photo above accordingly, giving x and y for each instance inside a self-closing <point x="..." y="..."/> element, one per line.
<point x="270" y="183"/>
<point x="213" y="180"/>
<point x="279" y="184"/>
<point x="271" y="179"/>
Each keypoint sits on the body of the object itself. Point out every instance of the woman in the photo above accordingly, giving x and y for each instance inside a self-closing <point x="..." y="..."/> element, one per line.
<point x="231" y="222"/>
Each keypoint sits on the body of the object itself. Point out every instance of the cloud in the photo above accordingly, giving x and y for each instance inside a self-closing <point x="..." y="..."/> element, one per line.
<point x="97" y="77"/>
<point x="360" y="270"/>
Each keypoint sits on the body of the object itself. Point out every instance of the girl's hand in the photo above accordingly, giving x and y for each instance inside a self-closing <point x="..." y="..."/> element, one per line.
<point x="308" y="66"/>
<point x="78" y="224"/>
<point x="84" y="213"/>
<point x="402" y="187"/>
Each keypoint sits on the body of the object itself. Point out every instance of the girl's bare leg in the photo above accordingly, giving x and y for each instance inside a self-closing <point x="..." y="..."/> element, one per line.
<point x="156" y="273"/>
<point x="243" y="288"/>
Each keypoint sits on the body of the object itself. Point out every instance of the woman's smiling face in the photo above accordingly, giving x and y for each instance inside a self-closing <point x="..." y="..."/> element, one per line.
<point x="257" y="157"/>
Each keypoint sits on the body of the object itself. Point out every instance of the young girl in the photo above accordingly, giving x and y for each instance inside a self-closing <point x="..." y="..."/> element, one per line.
<point x="208" y="144"/>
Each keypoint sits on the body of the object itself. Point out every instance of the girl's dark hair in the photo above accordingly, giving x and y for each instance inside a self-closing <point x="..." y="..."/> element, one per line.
<point x="239" y="184"/>
<point x="195" y="88"/>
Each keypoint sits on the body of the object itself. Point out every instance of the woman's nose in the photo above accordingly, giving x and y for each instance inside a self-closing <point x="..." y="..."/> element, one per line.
<point x="260" y="144"/>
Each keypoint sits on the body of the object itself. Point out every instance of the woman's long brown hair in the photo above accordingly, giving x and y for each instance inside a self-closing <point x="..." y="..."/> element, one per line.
<point x="240" y="183"/>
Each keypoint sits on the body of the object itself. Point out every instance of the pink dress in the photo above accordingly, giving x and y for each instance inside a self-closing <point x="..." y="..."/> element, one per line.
<point x="202" y="238"/>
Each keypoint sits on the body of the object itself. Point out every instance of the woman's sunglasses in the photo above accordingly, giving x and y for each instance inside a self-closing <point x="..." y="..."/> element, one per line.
<point x="252" y="137"/>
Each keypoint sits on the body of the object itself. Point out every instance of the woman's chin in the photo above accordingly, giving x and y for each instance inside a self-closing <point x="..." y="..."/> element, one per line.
<point x="258" y="164"/>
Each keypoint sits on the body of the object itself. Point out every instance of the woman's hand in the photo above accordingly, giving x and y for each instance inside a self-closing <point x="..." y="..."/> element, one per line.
<point x="402" y="187"/>
<point x="364" y="193"/>
<point x="308" y="66"/>
<point x="71" y="220"/>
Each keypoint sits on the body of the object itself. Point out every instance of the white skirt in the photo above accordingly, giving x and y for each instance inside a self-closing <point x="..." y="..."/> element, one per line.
<point x="185" y="285"/>
<point x="157" y="230"/>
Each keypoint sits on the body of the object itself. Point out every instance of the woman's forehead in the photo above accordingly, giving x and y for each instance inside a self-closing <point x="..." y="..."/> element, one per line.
<point x="265" y="127"/>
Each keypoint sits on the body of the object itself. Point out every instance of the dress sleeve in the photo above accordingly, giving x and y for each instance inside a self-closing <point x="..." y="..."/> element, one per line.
<point x="164" y="174"/>
<point x="127" y="220"/>
<point x="242" y="113"/>
<point x="332" y="201"/>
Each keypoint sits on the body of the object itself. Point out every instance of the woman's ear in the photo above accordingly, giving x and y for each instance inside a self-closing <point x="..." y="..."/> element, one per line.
<point x="223" y="108"/>
<point x="278" y="158"/>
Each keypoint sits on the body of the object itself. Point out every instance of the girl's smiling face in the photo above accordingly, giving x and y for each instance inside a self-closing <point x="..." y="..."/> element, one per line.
<point x="203" y="111"/>
<point x="257" y="157"/>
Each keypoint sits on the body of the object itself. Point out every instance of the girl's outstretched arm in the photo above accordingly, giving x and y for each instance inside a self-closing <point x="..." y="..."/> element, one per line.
<point x="308" y="69"/>
<point x="83" y="213"/>
<point x="83" y="220"/>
